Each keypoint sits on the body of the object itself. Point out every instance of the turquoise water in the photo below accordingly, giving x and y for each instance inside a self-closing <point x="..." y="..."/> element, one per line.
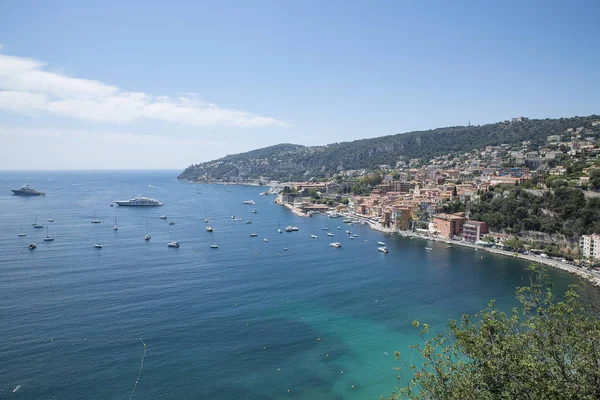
<point x="245" y="321"/>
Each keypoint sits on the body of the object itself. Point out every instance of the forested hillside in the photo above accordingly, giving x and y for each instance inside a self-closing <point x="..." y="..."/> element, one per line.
<point x="295" y="162"/>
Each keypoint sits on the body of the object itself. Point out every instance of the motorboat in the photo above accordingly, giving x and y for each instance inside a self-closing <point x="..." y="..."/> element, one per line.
<point x="31" y="246"/>
<point x="171" y="223"/>
<point x="209" y="229"/>
<point x="288" y="229"/>
<point x="314" y="236"/>
<point x="294" y="229"/>
<point x="253" y="235"/>
<point x="214" y="246"/>
<point x="329" y="234"/>
<point x="428" y="248"/>
<point x="163" y="217"/>
<point x="254" y="211"/>
<point x="147" y="237"/>
<point x="173" y="244"/>
<point x="139" y="202"/>
<point x="383" y="249"/>
<point x="325" y="228"/>
<point x="248" y="222"/>
<point x="266" y="240"/>
<point x="27" y="191"/>
<point x="348" y="233"/>
<point x="335" y="244"/>
<point x="249" y="202"/>
<point x="381" y="244"/>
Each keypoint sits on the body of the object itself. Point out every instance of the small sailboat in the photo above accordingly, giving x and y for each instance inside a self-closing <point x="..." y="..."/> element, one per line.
<point x="36" y="225"/>
<point x="48" y="238"/>
<point x="173" y="244"/>
<point x="21" y="234"/>
<point x="95" y="220"/>
<point x="116" y="227"/>
<point x="147" y="237"/>
<point x="97" y="244"/>
<point x="279" y="227"/>
<point x="50" y="219"/>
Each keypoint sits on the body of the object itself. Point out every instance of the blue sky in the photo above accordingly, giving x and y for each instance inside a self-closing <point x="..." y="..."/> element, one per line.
<point x="155" y="84"/>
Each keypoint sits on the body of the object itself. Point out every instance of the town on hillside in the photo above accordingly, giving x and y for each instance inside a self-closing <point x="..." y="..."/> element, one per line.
<point x="541" y="200"/>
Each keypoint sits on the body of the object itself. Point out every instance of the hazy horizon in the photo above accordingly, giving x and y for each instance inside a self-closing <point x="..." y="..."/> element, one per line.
<point x="83" y="92"/>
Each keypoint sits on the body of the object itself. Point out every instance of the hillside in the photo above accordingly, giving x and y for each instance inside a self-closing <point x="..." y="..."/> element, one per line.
<point x="296" y="162"/>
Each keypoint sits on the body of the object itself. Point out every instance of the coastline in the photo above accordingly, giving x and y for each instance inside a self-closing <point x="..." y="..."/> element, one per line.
<point x="590" y="276"/>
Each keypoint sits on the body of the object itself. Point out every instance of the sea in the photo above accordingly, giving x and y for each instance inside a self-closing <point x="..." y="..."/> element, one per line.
<point x="287" y="318"/>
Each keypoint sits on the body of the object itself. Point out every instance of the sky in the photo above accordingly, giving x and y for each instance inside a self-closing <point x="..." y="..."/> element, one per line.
<point x="163" y="85"/>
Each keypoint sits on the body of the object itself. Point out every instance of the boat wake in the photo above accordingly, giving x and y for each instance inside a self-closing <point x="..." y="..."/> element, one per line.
<point x="16" y="389"/>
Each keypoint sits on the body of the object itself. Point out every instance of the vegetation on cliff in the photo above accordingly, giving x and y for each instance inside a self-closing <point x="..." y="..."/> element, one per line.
<point x="295" y="162"/>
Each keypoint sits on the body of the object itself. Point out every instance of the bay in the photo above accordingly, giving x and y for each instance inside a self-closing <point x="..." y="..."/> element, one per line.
<point x="247" y="320"/>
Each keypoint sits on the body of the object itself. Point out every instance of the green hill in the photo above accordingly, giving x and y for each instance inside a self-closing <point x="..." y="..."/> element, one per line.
<point x="295" y="162"/>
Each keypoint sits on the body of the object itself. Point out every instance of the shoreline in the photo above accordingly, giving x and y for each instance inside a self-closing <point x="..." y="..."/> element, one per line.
<point x="590" y="276"/>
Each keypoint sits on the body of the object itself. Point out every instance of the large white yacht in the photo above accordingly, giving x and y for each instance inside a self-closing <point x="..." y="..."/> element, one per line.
<point x="139" y="202"/>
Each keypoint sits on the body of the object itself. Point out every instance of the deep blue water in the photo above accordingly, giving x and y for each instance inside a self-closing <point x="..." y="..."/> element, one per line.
<point x="245" y="321"/>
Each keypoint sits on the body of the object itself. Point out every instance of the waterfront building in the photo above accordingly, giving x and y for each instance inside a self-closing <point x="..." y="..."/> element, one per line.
<point x="474" y="230"/>
<point x="590" y="246"/>
<point x="448" y="225"/>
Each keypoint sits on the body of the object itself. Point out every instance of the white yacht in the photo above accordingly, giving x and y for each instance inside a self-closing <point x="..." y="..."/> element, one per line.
<point x="173" y="244"/>
<point x="335" y="244"/>
<point x="139" y="202"/>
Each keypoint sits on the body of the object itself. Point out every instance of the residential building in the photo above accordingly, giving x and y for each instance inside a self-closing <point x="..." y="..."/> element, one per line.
<point x="448" y="225"/>
<point x="590" y="246"/>
<point x="474" y="230"/>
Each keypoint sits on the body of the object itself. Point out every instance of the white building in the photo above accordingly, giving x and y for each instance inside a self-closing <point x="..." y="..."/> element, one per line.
<point x="590" y="245"/>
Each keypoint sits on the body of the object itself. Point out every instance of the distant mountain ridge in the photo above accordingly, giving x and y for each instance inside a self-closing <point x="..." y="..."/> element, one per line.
<point x="296" y="162"/>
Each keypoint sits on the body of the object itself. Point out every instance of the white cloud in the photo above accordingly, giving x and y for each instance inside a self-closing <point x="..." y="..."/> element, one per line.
<point x="27" y="88"/>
